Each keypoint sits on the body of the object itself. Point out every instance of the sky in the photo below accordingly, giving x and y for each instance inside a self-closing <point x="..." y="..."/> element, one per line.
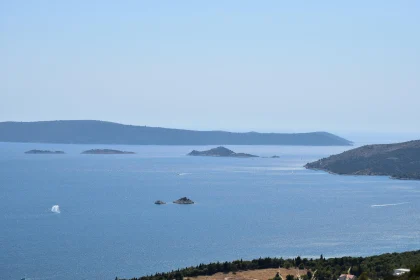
<point x="268" y="66"/>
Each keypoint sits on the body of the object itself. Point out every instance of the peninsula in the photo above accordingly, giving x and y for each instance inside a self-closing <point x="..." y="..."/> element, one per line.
<point x="219" y="152"/>
<point x="400" y="161"/>
<point x="100" y="132"/>
<point x="107" y="152"/>
<point x="44" y="152"/>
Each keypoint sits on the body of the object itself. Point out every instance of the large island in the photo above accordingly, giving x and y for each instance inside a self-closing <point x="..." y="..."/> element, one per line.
<point x="220" y="152"/>
<point x="107" y="152"/>
<point x="108" y="133"/>
<point x="400" y="161"/>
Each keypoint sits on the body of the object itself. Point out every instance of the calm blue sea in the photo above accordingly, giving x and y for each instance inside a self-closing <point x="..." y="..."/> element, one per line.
<point x="245" y="208"/>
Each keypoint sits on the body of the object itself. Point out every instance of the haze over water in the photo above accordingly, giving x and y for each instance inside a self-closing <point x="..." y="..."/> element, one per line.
<point x="245" y="208"/>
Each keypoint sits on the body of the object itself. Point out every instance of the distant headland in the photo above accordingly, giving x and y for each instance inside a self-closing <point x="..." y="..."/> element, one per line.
<point x="400" y="161"/>
<point x="44" y="152"/>
<point x="220" y="152"/>
<point x="107" y="152"/>
<point x="99" y="132"/>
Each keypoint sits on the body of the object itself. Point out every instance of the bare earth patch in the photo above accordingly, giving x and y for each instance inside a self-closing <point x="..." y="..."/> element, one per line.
<point x="259" y="274"/>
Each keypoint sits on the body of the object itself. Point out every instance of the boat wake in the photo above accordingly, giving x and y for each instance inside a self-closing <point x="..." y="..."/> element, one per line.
<point x="391" y="204"/>
<point x="56" y="209"/>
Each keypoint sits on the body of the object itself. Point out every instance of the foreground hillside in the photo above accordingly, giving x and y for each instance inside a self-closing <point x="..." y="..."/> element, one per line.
<point x="401" y="160"/>
<point x="374" y="267"/>
<point x="98" y="132"/>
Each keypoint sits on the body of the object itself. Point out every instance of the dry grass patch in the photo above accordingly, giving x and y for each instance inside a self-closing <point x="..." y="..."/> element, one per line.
<point x="258" y="274"/>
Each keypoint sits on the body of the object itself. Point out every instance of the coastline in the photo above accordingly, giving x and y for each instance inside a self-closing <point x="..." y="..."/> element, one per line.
<point x="370" y="175"/>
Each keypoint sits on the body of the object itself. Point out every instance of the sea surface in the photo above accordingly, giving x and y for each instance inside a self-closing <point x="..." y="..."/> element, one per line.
<point x="245" y="208"/>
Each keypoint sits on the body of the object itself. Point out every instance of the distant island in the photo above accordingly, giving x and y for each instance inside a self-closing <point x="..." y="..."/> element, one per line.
<point x="220" y="152"/>
<point x="99" y="132"/>
<point x="184" y="200"/>
<point x="400" y="161"/>
<point x="160" y="202"/>
<point x="44" y="152"/>
<point x="107" y="152"/>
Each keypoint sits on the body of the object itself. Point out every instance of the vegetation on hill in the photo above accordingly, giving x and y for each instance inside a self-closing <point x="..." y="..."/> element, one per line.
<point x="401" y="161"/>
<point x="98" y="132"/>
<point x="374" y="267"/>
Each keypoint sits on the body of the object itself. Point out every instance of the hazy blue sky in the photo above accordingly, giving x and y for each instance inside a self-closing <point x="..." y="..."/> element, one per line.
<point x="336" y="66"/>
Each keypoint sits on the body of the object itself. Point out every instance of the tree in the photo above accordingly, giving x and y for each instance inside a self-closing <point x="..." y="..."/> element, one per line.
<point x="179" y="275"/>
<point x="290" y="277"/>
<point x="363" y="276"/>
<point x="298" y="261"/>
<point x="277" y="277"/>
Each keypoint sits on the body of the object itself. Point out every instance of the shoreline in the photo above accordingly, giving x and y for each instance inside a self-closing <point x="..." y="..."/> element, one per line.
<point x="370" y="175"/>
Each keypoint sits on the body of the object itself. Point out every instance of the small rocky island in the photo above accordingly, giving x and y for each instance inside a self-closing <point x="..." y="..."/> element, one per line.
<point x="400" y="161"/>
<point x="184" y="200"/>
<point x="160" y="202"/>
<point x="44" y="152"/>
<point x="220" y="152"/>
<point x="107" y="152"/>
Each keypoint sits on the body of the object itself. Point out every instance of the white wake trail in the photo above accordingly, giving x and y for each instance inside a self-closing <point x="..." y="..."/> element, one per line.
<point x="391" y="204"/>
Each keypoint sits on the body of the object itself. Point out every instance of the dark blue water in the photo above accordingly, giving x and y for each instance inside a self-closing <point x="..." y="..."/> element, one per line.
<point x="245" y="208"/>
